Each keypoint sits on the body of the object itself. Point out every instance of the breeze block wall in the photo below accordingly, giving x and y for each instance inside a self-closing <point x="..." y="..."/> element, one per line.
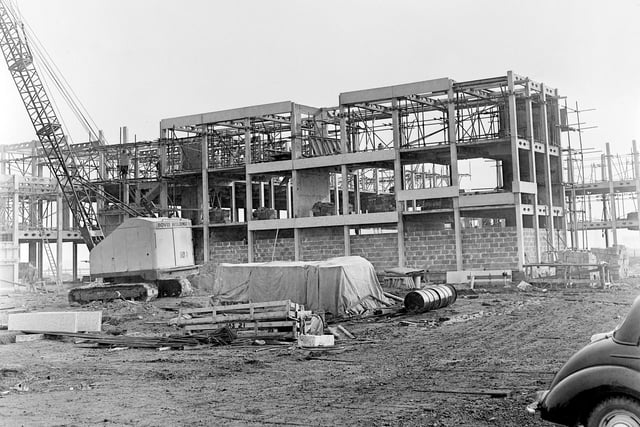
<point x="428" y="245"/>
<point x="321" y="243"/>
<point x="490" y="248"/>
<point x="381" y="250"/>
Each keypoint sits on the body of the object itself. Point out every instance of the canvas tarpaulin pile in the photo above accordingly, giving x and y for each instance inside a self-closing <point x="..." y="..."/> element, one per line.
<point x="340" y="286"/>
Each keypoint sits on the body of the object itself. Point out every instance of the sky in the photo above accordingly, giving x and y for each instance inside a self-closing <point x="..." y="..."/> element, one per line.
<point x="135" y="62"/>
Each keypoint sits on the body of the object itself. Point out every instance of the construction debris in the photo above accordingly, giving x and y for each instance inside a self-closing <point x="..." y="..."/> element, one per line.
<point x="567" y="275"/>
<point x="524" y="286"/>
<point x="403" y="278"/>
<point x="222" y="336"/>
<point x="281" y="319"/>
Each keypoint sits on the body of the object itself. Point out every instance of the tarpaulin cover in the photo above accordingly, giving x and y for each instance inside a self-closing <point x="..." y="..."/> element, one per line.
<point x="344" y="285"/>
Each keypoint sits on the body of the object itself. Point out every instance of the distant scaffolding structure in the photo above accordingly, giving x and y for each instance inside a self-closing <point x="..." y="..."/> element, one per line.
<point x="602" y="194"/>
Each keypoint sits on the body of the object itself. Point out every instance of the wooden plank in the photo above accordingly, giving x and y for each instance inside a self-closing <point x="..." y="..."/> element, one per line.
<point x="271" y="315"/>
<point x="244" y="306"/>
<point x="262" y="334"/>
<point x="485" y="392"/>
<point x="247" y="326"/>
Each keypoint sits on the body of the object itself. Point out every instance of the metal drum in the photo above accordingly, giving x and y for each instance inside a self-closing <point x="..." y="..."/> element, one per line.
<point x="430" y="298"/>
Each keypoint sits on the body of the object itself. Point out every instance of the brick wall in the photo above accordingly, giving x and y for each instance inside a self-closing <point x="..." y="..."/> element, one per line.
<point x="321" y="243"/>
<point x="429" y="247"/>
<point x="490" y="248"/>
<point x="381" y="250"/>
<point x="263" y="250"/>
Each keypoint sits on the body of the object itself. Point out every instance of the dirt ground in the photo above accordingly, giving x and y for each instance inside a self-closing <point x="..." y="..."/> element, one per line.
<point x="417" y="375"/>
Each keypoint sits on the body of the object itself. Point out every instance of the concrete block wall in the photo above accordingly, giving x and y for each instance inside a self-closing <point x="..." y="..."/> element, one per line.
<point x="530" y="245"/>
<point x="429" y="247"/>
<point x="264" y="251"/>
<point x="381" y="250"/>
<point x="490" y="248"/>
<point x="321" y="243"/>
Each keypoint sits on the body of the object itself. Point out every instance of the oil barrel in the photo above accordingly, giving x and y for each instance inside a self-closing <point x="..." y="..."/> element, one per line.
<point x="430" y="298"/>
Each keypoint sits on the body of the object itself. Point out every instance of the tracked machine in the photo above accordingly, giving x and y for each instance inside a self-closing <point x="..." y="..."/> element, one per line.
<point x="145" y="256"/>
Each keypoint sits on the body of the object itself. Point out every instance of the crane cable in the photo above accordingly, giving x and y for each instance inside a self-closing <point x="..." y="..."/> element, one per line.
<point x="51" y="70"/>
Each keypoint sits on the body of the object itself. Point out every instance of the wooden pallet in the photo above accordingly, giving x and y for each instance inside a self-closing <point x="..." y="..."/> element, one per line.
<point x="265" y="319"/>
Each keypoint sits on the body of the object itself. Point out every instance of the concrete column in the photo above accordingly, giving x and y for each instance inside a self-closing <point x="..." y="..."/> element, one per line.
<point x="345" y="207"/>
<point x="272" y="194"/>
<point x="16" y="240"/>
<point x="164" y="190"/>
<point x="612" y="198"/>
<point x="74" y="261"/>
<point x="605" y="211"/>
<point x="515" y="165"/>
<point x="248" y="188"/>
<point x="455" y="178"/>
<point x="532" y="168"/>
<point x="204" y="153"/>
<point x="398" y="179"/>
<point x="234" y="208"/>
<point x="59" y="228"/>
<point x="296" y="148"/>
<point x="547" y="169"/>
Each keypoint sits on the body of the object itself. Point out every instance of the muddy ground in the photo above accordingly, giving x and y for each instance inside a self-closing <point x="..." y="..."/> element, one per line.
<point x="417" y="375"/>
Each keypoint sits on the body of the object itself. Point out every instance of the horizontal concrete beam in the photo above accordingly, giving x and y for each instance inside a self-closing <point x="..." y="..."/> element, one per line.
<point x="429" y="193"/>
<point x="604" y="225"/>
<point x="486" y="199"/>
<point x="345" y="159"/>
<point x="267" y="167"/>
<point x="325" y="221"/>
<point x="226" y="115"/>
<point x="389" y="92"/>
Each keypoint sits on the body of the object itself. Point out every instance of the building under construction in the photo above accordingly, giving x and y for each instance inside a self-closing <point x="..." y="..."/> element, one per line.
<point x="379" y="175"/>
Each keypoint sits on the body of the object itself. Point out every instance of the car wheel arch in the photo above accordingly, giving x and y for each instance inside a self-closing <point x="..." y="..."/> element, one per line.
<point x="564" y="403"/>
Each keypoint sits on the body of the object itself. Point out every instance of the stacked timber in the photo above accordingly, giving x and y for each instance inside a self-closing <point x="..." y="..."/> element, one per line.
<point x="272" y="319"/>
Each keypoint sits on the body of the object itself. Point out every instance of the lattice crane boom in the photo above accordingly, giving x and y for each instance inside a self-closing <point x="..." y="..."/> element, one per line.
<point x="78" y="191"/>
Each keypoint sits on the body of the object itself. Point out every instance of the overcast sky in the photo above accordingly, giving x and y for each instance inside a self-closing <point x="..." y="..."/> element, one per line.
<point x="135" y="62"/>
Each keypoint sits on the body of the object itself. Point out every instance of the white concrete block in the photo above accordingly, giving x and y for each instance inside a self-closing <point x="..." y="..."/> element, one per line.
<point x="316" y="340"/>
<point x="29" y="337"/>
<point x="59" y="321"/>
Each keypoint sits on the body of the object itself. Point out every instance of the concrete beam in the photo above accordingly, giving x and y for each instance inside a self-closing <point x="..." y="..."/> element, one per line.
<point x="429" y="193"/>
<point x="225" y="115"/>
<point x="325" y="221"/>
<point x="486" y="199"/>
<point x="389" y="92"/>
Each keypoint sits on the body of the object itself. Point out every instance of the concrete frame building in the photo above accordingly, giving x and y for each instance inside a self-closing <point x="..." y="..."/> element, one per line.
<point x="385" y="164"/>
<point x="378" y="175"/>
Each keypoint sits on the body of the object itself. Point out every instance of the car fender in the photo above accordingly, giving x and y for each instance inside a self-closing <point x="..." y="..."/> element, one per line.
<point x="586" y="386"/>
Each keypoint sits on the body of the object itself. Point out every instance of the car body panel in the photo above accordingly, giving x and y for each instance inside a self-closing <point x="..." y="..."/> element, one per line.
<point x="610" y="365"/>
